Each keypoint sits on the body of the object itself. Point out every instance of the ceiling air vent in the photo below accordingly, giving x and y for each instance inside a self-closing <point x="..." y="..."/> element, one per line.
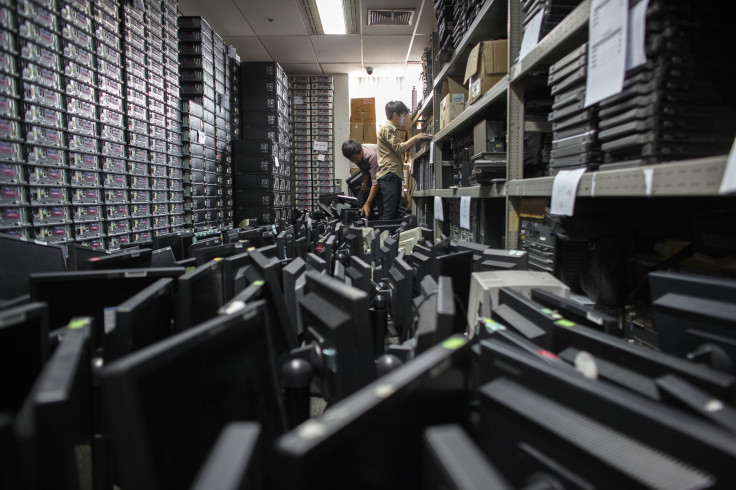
<point x="390" y="17"/>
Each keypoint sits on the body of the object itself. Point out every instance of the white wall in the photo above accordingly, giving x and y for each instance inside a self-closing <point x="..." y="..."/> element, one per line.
<point x="342" y="127"/>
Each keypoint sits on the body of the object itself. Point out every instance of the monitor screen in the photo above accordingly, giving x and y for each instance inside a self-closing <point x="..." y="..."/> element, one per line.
<point x="24" y="348"/>
<point x="230" y="267"/>
<point x="203" y="243"/>
<point x="459" y="267"/>
<point x="200" y="295"/>
<point x="78" y="255"/>
<point x="168" y="402"/>
<point x="123" y="259"/>
<point x="163" y="257"/>
<point x="178" y="242"/>
<point x="577" y="312"/>
<point x="54" y="426"/>
<point x="435" y="313"/>
<point x="204" y="255"/>
<point x="401" y="283"/>
<point x="22" y="257"/>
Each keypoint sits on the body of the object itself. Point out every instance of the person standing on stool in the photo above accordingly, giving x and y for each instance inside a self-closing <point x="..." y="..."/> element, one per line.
<point x="364" y="157"/>
<point x="390" y="151"/>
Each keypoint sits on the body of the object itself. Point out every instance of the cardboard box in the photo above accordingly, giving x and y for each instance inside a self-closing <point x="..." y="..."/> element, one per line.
<point x="454" y="85"/>
<point x="487" y="65"/>
<point x="363" y="132"/>
<point x="363" y="110"/>
<point x="450" y="107"/>
<point x="402" y="134"/>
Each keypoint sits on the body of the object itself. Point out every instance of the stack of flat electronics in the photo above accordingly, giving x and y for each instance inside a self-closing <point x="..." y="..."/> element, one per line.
<point x="488" y="168"/>
<point x="444" y="11"/>
<point x="678" y="104"/>
<point x="554" y="12"/>
<point x="574" y="127"/>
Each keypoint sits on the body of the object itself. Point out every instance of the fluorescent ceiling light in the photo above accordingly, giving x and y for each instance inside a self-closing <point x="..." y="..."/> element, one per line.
<point x="332" y="16"/>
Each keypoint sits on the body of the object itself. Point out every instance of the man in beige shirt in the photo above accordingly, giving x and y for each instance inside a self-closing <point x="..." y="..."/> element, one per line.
<point x="390" y="151"/>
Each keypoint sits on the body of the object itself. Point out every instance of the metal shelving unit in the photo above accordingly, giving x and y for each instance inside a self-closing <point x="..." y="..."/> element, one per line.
<point x="474" y="113"/>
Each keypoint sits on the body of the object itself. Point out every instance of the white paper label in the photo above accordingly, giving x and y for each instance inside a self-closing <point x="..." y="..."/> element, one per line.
<point x="649" y="180"/>
<point x="465" y="212"/>
<point x="438" y="212"/>
<point x="298" y="100"/>
<point x="276" y="161"/>
<point x="531" y="34"/>
<point x="321" y="157"/>
<point x="320" y="146"/>
<point x="565" y="190"/>
<point x="606" y="49"/>
<point x="728" y="183"/>
<point x="635" y="45"/>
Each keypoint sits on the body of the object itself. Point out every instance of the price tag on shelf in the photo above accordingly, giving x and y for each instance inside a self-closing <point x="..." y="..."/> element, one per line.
<point x="438" y="213"/>
<point x="565" y="190"/>
<point x="465" y="212"/>
<point x="320" y="146"/>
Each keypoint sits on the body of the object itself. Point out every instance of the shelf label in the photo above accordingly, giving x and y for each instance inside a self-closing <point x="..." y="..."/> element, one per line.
<point x="606" y="49"/>
<point x="649" y="180"/>
<point x="728" y="184"/>
<point x="298" y="100"/>
<point x="565" y="190"/>
<point x="320" y="146"/>
<point x="431" y="152"/>
<point x="276" y="161"/>
<point x="321" y="157"/>
<point x="465" y="212"/>
<point x="531" y="34"/>
<point x="635" y="45"/>
<point x="439" y="214"/>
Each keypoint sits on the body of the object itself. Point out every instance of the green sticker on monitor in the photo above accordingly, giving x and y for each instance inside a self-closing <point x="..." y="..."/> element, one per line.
<point x="77" y="323"/>
<point x="492" y="326"/>
<point x="565" y="323"/>
<point x="189" y="269"/>
<point x="454" y="343"/>
<point x="259" y="283"/>
<point x="547" y="311"/>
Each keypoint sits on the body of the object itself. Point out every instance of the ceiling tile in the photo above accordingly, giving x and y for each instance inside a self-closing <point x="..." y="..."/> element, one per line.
<point x="222" y="16"/>
<point x="427" y="20"/>
<point x="337" y="49"/>
<point x="290" y="49"/>
<point x="273" y="18"/>
<point x="347" y="68"/>
<point x="248" y="48"/>
<point x="301" y="69"/>
<point x="385" y="49"/>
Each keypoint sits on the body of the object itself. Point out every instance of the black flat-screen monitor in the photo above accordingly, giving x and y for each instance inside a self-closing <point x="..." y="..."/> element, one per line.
<point x="401" y="283"/>
<point x="168" y="402"/>
<point x="203" y="243"/>
<point x="285" y="244"/>
<point x="293" y="280"/>
<point x="230" y="266"/>
<point x="695" y="317"/>
<point x="122" y="259"/>
<point x="576" y="312"/>
<point x="20" y="258"/>
<point x="200" y="295"/>
<point x="163" y="257"/>
<point x="54" y="427"/>
<point x="234" y="462"/>
<point x="452" y="461"/>
<point x="204" y="255"/>
<point x="252" y="292"/>
<point x="230" y="236"/>
<point x="356" y="442"/>
<point x="141" y="320"/>
<point x="316" y="263"/>
<point x="494" y="259"/>
<point x="88" y="293"/>
<point x="435" y="313"/>
<point x="270" y="251"/>
<point x="178" y="241"/>
<point x="358" y="274"/>
<point x="459" y="267"/>
<point x="252" y="236"/>
<point x="535" y="418"/>
<point x="78" y="255"/>
<point x="24" y="348"/>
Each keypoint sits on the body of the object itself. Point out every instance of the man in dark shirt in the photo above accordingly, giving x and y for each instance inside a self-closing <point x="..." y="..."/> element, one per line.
<point x="364" y="156"/>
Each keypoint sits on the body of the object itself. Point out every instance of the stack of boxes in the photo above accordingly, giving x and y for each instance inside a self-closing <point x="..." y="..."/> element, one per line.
<point x="363" y="120"/>
<point x="202" y="176"/>
<point x="262" y="159"/>
<point x="312" y="127"/>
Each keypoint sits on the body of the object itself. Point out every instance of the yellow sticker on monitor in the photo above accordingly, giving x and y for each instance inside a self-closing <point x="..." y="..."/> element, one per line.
<point x="454" y="343"/>
<point x="565" y="323"/>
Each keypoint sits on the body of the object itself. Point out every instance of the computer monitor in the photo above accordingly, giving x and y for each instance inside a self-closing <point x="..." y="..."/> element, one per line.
<point x="452" y="461"/>
<point x="234" y="462"/>
<point x="435" y="313"/>
<point x="535" y="418"/>
<point x="268" y="269"/>
<point x="285" y="244"/>
<point x="401" y="283"/>
<point x="24" y="349"/>
<point x="203" y="243"/>
<point x="163" y="257"/>
<point x="168" y="402"/>
<point x="230" y="236"/>
<point x="271" y="251"/>
<point x="141" y="320"/>
<point x="494" y="259"/>
<point x="409" y="238"/>
<point x="122" y="259"/>
<point x="230" y="266"/>
<point x="577" y="312"/>
<point x="251" y="292"/>
<point x="459" y="267"/>
<point x="335" y="316"/>
<point x="523" y="316"/>
<point x="178" y="241"/>
<point x="200" y="295"/>
<point x="315" y="262"/>
<point x="358" y="274"/>
<point x="484" y="288"/>
<point x="695" y="317"/>
<point x="355" y="440"/>
<point x="328" y="251"/>
<point x="22" y="257"/>
<point x="353" y="242"/>
<point x="301" y="247"/>
<point x="78" y="255"/>
<point x="476" y="248"/>
<point x="54" y="427"/>
<point x="88" y="293"/>
<point x="204" y="255"/>
<point x="294" y="280"/>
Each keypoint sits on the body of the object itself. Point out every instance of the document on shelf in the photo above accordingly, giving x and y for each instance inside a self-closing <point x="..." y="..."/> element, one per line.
<point x="431" y="153"/>
<point x="531" y="34"/>
<point x="320" y="146"/>
<point x="565" y="190"/>
<point x="635" y="45"/>
<point x="439" y="215"/>
<point x="465" y="212"/>
<point x="606" y="49"/>
<point x="728" y="184"/>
